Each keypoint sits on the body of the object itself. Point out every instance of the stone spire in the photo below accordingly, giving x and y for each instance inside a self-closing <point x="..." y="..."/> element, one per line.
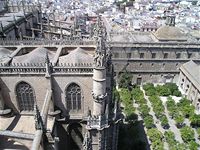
<point x="47" y="61"/>
<point x="14" y="19"/>
<point x="97" y="122"/>
<point x="23" y="8"/>
<point x="1" y="27"/>
<point x="33" y="34"/>
<point x="48" y="22"/>
<point x="38" y="118"/>
<point x="61" y="30"/>
<point x="41" y="29"/>
<point x="48" y="66"/>
<point x="98" y="28"/>
<point x="2" y="33"/>
<point x="75" y="25"/>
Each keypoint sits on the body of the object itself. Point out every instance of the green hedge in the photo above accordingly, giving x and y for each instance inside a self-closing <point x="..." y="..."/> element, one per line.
<point x="187" y="134"/>
<point x="195" y="120"/>
<point x="170" y="138"/>
<point x="157" y="105"/>
<point x="156" y="138"/>
<point x="125" y="79"/>
<point x="144" y="109"/>
<point x="126" y="98"/>
<point x="186" y="108"/>
<point x="150" y="90"/>
<point x="162" y="90"/>
<point x="138" y="95"/>
<point x="149" y="122"/>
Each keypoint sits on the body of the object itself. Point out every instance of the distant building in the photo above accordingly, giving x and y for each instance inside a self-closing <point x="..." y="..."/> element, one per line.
<point x="189" y="82"/>
<point x="154" y="56"/>
<point x="17" y="22"/>
<point x="148" y="26"/>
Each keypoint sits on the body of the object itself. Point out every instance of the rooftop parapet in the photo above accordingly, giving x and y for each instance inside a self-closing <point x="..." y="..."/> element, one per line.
<point x="171" y="44"/>
<point x="83" y="41"/>
<point x="31" y="68"/>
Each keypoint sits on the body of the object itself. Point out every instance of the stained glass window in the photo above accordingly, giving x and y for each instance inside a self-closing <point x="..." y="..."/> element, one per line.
<point x="25" y="96"/>
<point x="73" y="97"/>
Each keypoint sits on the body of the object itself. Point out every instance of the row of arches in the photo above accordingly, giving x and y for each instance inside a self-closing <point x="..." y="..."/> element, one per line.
<point x="26" y="96"/>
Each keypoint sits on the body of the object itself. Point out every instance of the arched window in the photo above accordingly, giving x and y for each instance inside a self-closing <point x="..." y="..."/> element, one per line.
<point x="73" y="97"/>
<point x="25" y="96"/>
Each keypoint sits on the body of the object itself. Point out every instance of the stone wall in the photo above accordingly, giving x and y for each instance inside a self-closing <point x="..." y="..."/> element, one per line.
<point x="153" y="63"/>
<point x="60" y="84"/>
<point x="8" y="84"/>
<point x="191" y="92"/>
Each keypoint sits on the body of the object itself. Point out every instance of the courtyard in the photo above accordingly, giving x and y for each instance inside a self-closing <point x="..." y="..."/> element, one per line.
<point x="169" y="120"/>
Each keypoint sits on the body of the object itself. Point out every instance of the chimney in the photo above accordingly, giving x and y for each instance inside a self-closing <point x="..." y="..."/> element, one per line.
<point x="170" y="20"/>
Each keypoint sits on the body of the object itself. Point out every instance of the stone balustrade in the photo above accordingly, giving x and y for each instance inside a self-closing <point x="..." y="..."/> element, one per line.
<point x="40" y="68"/>
<point x="97" y="122"/>
<point x="72" y="70"/>
<point x="6" y="70"/>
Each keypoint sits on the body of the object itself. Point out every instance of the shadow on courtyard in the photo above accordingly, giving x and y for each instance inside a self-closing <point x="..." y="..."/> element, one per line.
<point x="6" y="143"/>
<point x="14" y="123"/>
<point x="66" y="134"/>
<point x="132" y="136"/>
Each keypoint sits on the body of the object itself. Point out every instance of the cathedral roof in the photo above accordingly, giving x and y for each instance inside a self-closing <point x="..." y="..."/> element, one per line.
<point x="76" y="56"/>
<point x="169" y="33"/>
<point x="36" y="56"/>
<point x="4" y="53"/>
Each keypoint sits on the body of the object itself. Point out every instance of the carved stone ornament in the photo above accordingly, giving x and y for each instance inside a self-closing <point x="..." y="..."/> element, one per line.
<point x="99" y="98"/>
<point x="100" y="60"/>
<point x="87" y="142"/>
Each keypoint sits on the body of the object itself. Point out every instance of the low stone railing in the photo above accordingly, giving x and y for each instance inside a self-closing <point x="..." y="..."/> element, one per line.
<point x="41" y="68"/>
<point x="12" y="69"/>
<point x="72" y="70"/>
<point x="36" y="42"/>
<point x="156" y="44"/>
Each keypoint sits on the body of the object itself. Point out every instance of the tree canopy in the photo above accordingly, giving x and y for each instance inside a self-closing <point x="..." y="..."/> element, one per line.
<point x="187" y="134"/>
<point x="125" y="80"/>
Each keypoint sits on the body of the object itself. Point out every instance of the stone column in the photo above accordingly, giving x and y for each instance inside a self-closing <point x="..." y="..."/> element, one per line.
<point x="99" y="90"/>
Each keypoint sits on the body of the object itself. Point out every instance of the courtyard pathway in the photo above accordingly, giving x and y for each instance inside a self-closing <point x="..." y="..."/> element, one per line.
<point x="173" y="126"/>
<point x="156" y="121"/>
